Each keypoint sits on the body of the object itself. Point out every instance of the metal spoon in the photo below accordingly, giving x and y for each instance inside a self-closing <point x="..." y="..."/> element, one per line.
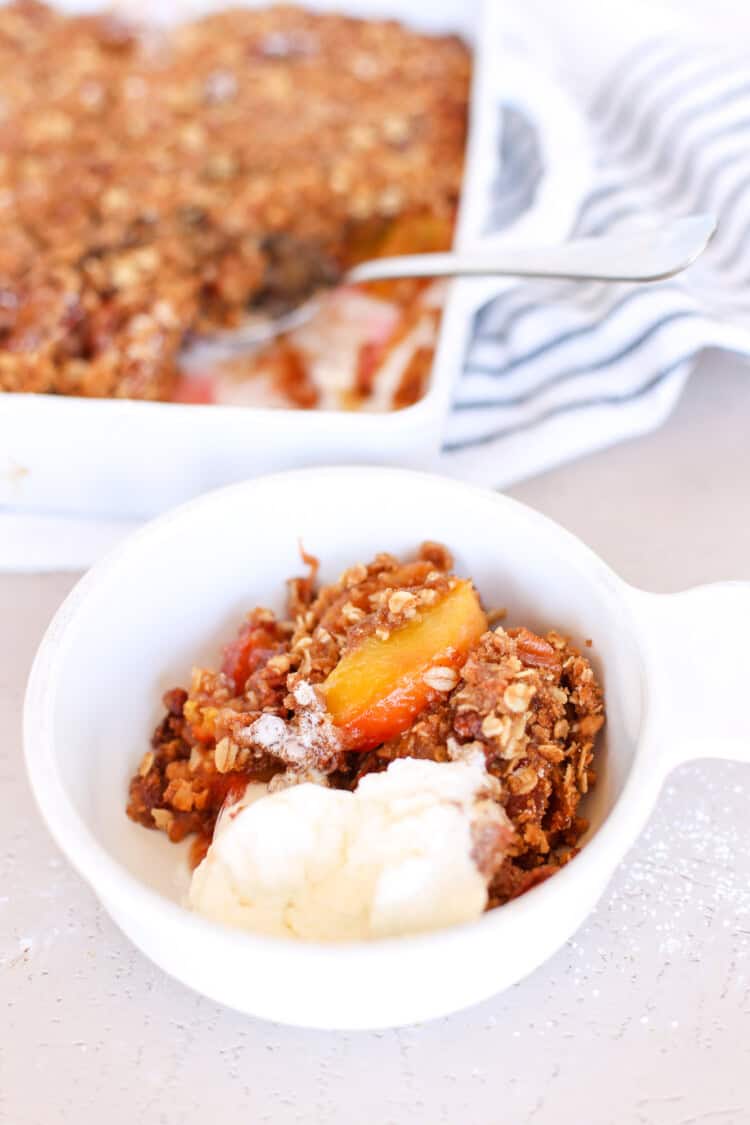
<point x="641" y="255"/>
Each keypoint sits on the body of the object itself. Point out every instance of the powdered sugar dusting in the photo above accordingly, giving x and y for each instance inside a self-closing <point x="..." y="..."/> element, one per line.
<point x="268" y="732"/>
<point x="307" y="742"/>
<point x="304" y="693"/>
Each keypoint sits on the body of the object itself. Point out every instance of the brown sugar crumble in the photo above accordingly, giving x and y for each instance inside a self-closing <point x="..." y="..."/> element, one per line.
<point x="158" y="184"/>
<point x="274" y="711"/>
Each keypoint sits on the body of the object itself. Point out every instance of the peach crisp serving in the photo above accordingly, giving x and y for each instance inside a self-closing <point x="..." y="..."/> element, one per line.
<point x="395" y="660"/>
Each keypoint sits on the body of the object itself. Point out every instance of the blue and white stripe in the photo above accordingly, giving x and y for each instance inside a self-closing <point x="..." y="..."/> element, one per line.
<point x="556" y="369"/>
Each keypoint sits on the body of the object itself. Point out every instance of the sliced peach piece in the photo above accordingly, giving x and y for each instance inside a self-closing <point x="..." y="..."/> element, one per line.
<point x="377" y="690"/>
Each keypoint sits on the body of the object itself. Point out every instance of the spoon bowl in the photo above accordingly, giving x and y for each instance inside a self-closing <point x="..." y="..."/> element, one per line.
<point x="653" y="254"/>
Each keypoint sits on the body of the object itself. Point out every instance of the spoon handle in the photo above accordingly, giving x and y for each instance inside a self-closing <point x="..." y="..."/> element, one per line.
<point x="641" y="255"/>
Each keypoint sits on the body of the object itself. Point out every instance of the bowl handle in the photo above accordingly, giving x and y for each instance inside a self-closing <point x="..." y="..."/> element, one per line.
<point x="697" y="678"/>
<point x="564" y="149"/>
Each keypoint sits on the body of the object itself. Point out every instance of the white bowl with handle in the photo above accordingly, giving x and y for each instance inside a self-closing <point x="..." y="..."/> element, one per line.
<point x="673" y="669"/>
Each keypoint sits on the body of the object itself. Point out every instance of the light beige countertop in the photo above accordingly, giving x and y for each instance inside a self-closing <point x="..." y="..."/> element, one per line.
<point x="642" y="1019"/>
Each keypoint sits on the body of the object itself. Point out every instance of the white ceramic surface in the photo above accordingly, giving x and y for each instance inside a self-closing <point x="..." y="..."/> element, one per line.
<point x="132" y="459"/>
<point x="162" y="600"/>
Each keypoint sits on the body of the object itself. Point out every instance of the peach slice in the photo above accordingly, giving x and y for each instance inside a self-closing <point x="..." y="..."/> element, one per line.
<point x="377" y="690"/>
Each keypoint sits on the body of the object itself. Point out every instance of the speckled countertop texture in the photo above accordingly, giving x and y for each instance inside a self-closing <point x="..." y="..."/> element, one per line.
<point x="642" y="1019"/>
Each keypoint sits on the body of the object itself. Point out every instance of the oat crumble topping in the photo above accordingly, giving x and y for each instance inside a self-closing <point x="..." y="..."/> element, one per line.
<point x="155" y="184"/>
<point x="529" y="706"/>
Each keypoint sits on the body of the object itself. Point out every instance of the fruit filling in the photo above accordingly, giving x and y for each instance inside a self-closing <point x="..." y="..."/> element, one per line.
<point x="380" y="686"/>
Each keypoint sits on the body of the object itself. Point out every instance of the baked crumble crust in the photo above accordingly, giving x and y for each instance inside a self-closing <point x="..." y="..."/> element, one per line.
<point x="154" y="184"/>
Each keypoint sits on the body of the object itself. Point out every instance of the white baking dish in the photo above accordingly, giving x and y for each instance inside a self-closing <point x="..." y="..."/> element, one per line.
<point x="126" y="459"/>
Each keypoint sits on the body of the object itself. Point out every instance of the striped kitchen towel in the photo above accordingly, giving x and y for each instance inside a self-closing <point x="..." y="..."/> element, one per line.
<point x="558" y="369"/>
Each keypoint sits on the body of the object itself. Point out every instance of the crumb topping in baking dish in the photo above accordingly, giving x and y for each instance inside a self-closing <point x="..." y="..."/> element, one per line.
<point x="395" y="661"/>
<point x="158" y="184"/>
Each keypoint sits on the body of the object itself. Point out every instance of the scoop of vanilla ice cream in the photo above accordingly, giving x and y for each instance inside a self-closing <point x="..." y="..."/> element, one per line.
<point x="393" y="857"/>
